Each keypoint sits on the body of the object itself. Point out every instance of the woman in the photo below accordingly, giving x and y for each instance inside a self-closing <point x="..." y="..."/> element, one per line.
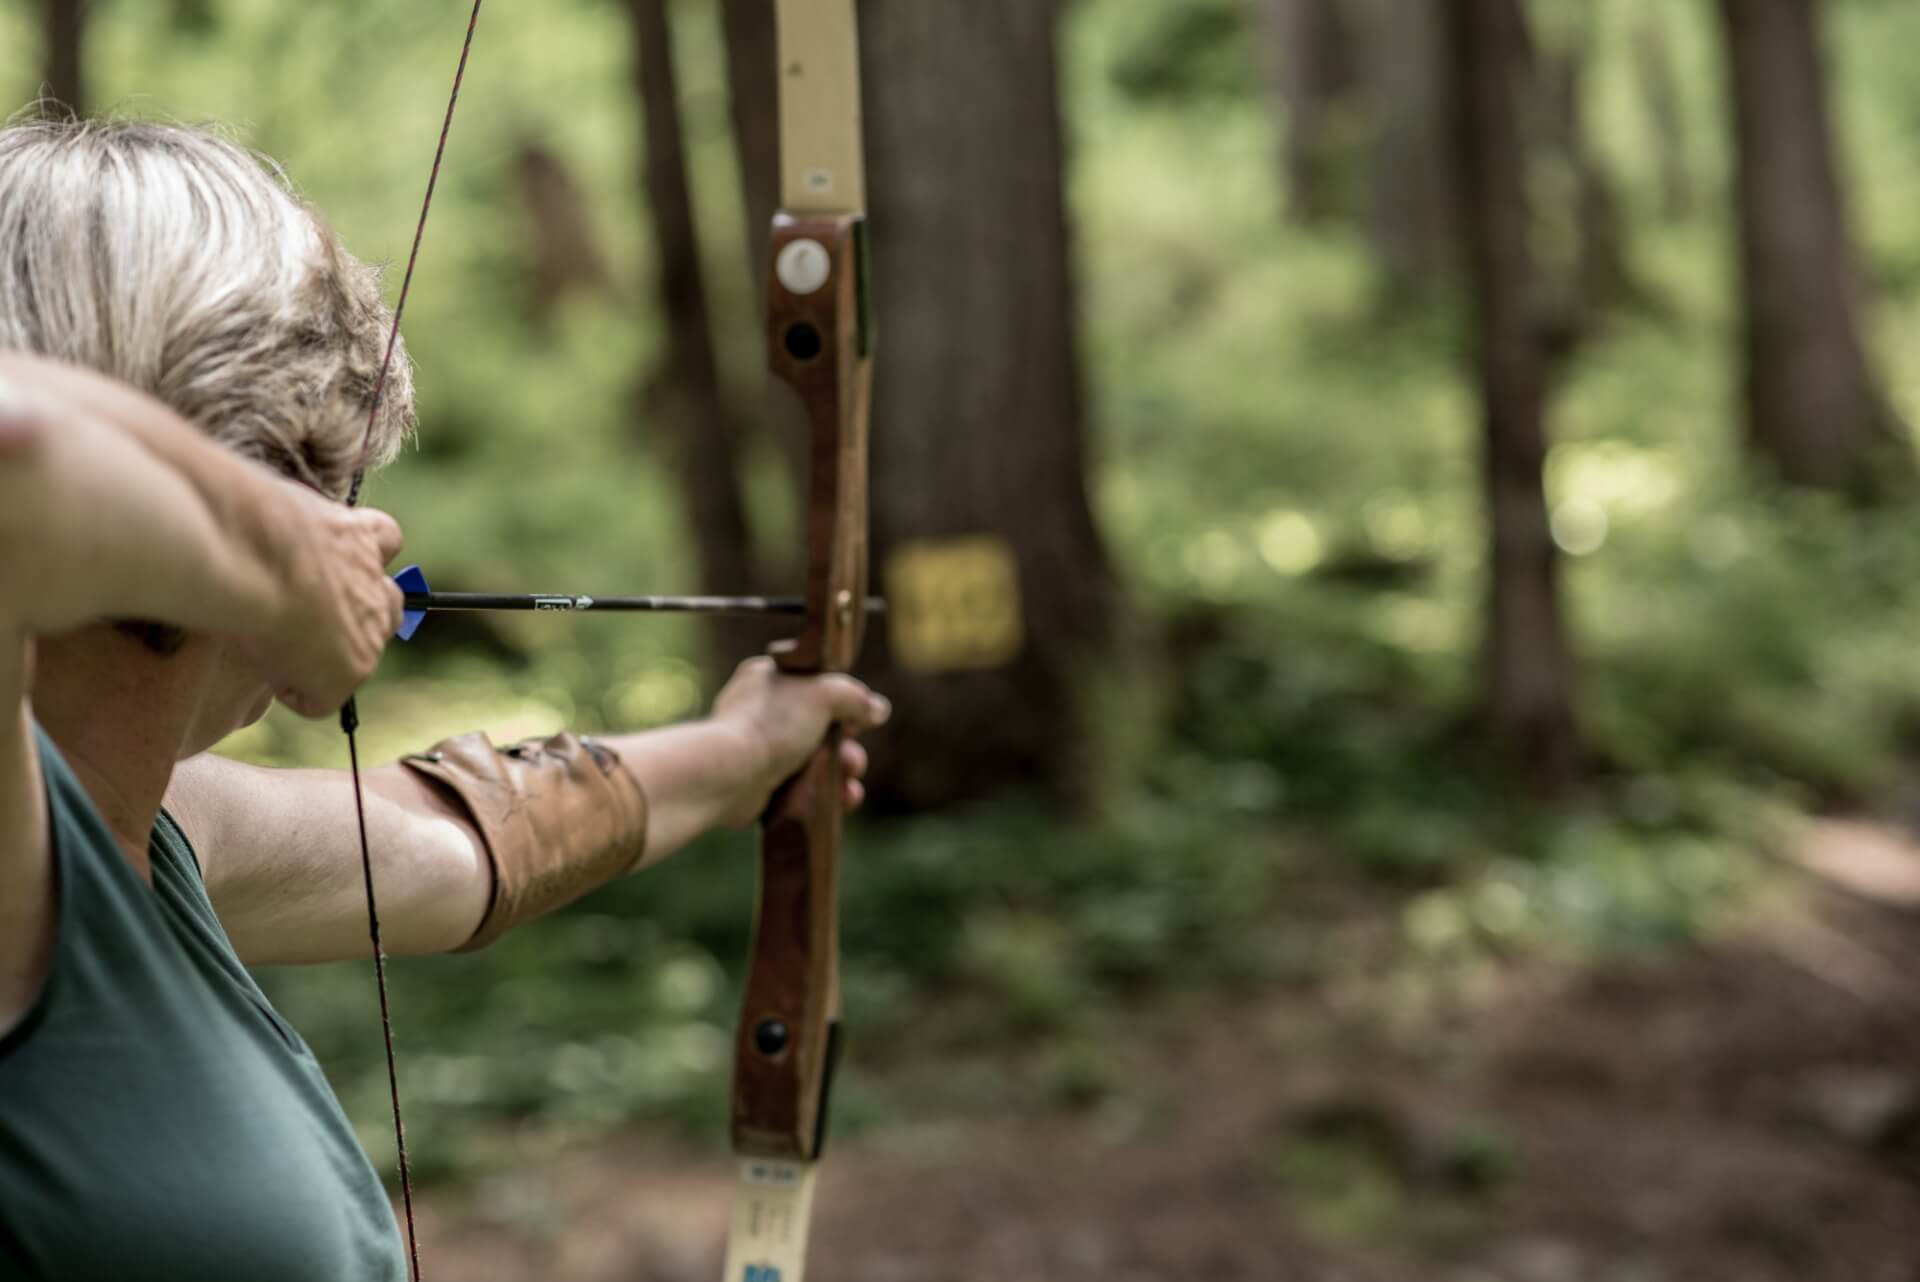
<point x="186" y="362"/>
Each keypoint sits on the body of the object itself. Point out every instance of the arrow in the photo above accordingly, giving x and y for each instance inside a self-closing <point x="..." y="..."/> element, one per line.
<point x="422" y="600"/>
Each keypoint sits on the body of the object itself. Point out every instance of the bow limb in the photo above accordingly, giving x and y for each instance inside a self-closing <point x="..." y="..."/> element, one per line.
<point x="820" y="344"/>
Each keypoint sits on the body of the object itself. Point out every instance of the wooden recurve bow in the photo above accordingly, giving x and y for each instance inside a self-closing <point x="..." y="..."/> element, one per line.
<point x="820" y="343"/>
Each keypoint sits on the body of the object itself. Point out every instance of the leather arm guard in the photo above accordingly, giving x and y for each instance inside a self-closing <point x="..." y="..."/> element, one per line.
<point x="559" y="817"/>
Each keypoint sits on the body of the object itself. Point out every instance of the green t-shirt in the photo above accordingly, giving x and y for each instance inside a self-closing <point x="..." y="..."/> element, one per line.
<point x="158" y="1119"/>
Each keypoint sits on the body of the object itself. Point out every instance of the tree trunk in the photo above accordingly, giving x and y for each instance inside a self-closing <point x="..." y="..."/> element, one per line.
<point x="752" y="91"/>
<point x="1411" y="203"/>
<point x="1659" y="85"/>
<point x="1529" y="669"/>
<point x="682" y="392"/>
<point x="1598" y="276"/>
<point x="978" y="414"/>
<point x="1813" y="410"/>
<point x="565" y="251"/>
<point x="1311" y="67"/>
<point x="65" y="89"/>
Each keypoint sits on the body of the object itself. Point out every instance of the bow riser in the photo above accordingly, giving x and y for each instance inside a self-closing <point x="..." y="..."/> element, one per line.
<point x="819" y="346"/>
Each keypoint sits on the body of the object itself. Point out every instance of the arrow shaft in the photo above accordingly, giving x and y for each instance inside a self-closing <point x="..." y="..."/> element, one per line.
<point x="435" y="602"/>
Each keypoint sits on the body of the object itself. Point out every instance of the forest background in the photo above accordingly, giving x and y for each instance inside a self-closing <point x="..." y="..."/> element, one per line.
<point x="1304" y="891"/>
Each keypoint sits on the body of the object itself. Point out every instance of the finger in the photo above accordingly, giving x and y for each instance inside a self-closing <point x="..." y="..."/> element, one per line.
<point x="853" y="705"/>
<point x="396" y="603"/>
<point x="299" y="703"/>
<point x="853" y="759"/>
<point x="385" y="531"/>
<point x="853" y="794"/>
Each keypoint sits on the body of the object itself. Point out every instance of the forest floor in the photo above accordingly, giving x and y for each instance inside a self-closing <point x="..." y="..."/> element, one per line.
<point x="1746" y="1112"/>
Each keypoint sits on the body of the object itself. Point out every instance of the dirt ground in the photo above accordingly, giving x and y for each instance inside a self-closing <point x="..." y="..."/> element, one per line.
<point x="1750" y="1113"/>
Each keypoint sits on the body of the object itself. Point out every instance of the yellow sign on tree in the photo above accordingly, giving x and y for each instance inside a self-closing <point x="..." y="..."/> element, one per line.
<point x="953" y="605"/>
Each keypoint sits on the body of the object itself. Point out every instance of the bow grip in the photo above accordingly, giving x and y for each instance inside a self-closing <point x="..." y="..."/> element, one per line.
<point x="788" y="1038"/>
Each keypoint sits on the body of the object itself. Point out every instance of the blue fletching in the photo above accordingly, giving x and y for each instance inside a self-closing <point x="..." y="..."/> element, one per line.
<point x="412" y="581"/>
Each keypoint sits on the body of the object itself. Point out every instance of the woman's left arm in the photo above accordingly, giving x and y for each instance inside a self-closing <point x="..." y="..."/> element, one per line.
<point x="281" y="853"/>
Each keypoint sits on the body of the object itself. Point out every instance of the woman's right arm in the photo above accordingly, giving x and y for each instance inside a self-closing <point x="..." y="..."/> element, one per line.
<point x="112" y="506"/>
<point x="100" y="514"/>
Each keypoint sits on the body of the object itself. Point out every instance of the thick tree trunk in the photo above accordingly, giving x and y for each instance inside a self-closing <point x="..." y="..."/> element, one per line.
<point x="1410" y="204"/>
<point x="682" y="393"/>
<point x="978" y="417"/>
<point x="65" y="88"/>
<point x="1529" y="669"/>
<point x="1813" y="409"/>
<point x="1310" y="60"/>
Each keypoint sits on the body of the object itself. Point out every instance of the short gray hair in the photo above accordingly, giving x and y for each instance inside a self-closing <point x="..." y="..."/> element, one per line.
<point x="183" y="264"/>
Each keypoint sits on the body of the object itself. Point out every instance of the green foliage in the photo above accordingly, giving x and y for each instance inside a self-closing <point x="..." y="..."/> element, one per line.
<point x="1297" y="495"/>
<point x="1183" y="53"/>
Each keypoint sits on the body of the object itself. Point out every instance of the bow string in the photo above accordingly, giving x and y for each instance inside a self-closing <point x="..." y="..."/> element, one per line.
<point x="349" y="712"/>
